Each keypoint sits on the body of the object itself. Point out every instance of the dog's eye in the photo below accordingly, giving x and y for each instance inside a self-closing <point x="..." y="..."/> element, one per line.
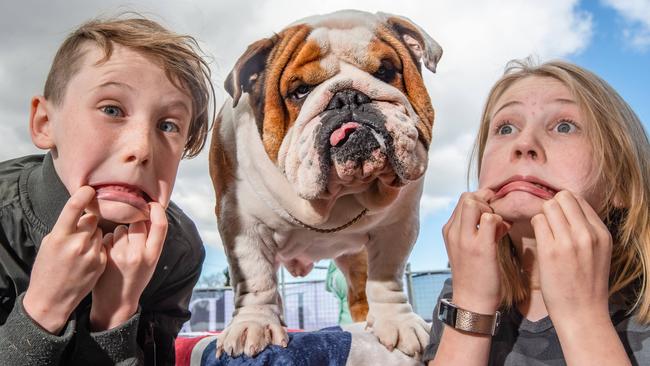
<point x="386" y="71"/>
<point x="301" y="91"/>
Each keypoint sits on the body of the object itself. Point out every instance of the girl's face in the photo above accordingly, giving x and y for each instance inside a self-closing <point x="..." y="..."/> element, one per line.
<point x="537" y="145"/>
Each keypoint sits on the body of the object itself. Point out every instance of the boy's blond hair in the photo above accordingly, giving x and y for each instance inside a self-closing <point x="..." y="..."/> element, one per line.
<point x="178" y="55"/>
<point x="622" y="153"/>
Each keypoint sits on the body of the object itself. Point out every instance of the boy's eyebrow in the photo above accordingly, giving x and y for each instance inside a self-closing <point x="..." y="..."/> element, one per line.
<point x="179" y="103"/>
<point x="171" y="105"/>
<point x="114" y="83"/>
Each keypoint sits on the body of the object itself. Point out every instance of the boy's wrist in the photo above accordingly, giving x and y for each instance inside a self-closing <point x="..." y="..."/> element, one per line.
<point x="50" y="317"/>
<point x="104" y="319"/>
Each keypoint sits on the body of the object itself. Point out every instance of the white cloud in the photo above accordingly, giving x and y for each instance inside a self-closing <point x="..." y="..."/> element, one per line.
<point x="637" y="16"/>
<point x="431" y="204"/>
<point x="478" y="38"/>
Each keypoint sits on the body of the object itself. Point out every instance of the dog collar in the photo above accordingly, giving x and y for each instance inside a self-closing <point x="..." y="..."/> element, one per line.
<point x="334" y="229"/>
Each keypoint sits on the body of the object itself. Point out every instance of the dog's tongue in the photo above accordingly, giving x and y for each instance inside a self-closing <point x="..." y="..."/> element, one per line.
<point x="338" y="135"/>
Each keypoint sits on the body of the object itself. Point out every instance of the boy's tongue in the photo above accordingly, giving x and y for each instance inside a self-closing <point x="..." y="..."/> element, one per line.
<point x="532" y="188"/>
<point x="129" y="195"/>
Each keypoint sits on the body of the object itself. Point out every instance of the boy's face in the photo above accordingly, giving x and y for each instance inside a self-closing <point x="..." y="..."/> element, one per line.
<point x="537" y="145"/>
<point x="121" y="128"/>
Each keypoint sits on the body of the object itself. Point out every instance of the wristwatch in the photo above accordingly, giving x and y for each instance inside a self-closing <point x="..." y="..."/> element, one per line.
<point x="466" y="320"/>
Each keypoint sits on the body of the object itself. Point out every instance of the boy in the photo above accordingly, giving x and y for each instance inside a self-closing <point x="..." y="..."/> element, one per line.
<point x="112" y="260"/>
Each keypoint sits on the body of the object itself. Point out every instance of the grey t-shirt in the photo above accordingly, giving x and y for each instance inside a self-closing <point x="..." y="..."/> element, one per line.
<point x="522" y="342"/>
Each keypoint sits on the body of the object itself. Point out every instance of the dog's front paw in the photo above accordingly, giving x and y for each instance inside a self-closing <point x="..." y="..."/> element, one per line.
<point x="405" y="331"/>
<point x="251" y="335"/>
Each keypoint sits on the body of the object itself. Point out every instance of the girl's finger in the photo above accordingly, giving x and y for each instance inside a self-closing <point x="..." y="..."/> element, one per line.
<point x="557" y="222"/>
<point x="572" y="209"/>
<point x="488" y="227"/>
<point x="471" y="215"/>
<point x="543" y="232"/>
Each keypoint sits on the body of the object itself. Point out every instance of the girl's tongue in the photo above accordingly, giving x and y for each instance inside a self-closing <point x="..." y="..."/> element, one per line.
<point x="536" y="189"/>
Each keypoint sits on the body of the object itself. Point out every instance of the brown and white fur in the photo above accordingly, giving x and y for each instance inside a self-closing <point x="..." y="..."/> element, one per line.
<point x="328" y="117"/>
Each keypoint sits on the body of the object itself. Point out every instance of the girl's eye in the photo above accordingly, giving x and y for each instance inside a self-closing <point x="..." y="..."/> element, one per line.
<point x="565" y="127"/>
<point x="112" y="111"/>
<point x="168" y="126"/>
<point x="506" y="129"/>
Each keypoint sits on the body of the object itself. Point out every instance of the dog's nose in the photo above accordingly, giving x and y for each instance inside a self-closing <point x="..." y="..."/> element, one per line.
<point x="349" y="98"/>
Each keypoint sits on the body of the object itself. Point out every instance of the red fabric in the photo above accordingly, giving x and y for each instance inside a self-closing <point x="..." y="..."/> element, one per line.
<point x="184" y="348"/>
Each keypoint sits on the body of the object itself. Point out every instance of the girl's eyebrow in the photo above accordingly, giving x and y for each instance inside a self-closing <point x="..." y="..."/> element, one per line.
<point x="516" y="102"/>
<point x="512" y="102"/>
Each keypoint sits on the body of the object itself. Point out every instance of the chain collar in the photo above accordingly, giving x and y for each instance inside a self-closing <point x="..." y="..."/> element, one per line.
<point x="332" y="230"/>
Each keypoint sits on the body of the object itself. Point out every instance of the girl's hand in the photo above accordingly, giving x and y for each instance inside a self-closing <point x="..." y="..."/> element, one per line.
<point x="574" y="249"/>
<point x="471" y="236"/>
<point x="133" y="253"/>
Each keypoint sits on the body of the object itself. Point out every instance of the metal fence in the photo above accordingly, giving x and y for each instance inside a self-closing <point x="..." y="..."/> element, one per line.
<point x="307" y="305"/>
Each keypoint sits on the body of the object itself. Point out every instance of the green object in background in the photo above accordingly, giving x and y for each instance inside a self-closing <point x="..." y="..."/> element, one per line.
<point x="336" y="284"/>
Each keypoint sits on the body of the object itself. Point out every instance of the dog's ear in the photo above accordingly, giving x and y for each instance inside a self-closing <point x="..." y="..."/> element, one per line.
<point x="420" y="44"/>
<point x="248" y="69"/>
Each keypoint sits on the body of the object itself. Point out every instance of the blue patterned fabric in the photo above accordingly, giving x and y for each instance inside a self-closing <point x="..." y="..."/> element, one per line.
<point x="326" y="347"/>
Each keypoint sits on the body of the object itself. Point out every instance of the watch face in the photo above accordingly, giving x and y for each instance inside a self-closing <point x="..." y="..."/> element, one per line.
<point x="447" y="313"/>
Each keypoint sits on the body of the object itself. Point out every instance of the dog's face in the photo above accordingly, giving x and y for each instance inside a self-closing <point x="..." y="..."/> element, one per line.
<point x="339" y="101"/>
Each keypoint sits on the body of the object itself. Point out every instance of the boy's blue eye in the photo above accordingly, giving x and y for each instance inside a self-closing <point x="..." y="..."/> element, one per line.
<point x="112" y="111"/>
<point x="167" y="126"/>
<point x="565" y="127"/>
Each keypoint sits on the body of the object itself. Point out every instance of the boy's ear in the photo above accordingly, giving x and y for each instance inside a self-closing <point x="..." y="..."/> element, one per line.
<point x="39" y="123"/>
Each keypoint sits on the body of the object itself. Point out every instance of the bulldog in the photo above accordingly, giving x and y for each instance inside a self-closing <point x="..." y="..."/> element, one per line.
<point x="321" y="153"/>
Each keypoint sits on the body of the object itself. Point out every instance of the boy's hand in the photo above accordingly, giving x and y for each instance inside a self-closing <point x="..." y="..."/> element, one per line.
<point x="132" y="257"/>
<point x="471" y="236"/>
<point x="574" y="249"/>
<point x="69" y="261"/>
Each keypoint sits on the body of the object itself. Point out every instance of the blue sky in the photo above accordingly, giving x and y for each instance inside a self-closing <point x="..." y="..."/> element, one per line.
<point x="610" y="37"/>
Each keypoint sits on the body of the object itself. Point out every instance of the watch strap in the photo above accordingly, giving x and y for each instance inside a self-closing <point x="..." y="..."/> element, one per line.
<point x="466" y="320"/>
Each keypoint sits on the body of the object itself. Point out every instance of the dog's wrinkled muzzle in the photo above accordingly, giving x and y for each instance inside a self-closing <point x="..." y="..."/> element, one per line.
<point x="353" y="139"/>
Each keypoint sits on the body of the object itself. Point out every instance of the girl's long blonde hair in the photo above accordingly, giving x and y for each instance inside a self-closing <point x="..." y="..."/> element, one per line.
<point x="622" y="153"/>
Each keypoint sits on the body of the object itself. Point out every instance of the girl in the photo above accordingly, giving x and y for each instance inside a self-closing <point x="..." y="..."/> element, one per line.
<point x="555" y="244"/>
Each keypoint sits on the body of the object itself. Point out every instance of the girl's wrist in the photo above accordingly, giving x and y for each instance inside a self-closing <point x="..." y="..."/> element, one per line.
<point x="581" y="321"/>
<point x="476" y="304"/>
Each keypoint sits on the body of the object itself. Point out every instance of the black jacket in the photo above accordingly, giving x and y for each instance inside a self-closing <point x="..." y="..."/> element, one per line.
<point x="31" y="198"/>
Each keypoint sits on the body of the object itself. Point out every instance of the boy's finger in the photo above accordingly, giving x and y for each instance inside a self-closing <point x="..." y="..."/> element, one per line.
<point x="107" y="240"/>
<point x="138" y="233"/>
<point x="87" y="223"/>
<point x="73" y="209"/>
<point x="157" y="229"/>
<point x="119" y="234"/>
